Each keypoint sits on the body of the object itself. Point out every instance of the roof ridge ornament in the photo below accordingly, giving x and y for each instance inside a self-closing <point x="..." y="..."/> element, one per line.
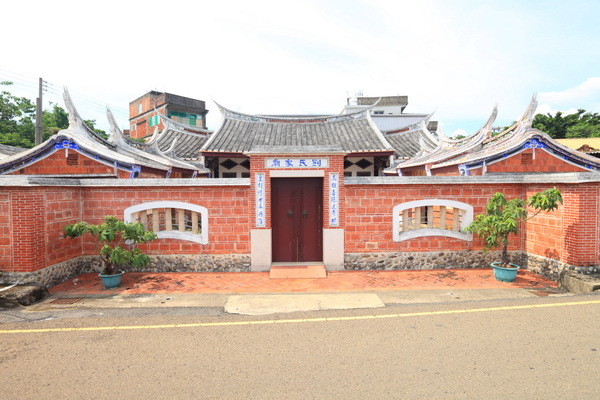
<point x="77" y="126"/>
<point x="228" y="113"/>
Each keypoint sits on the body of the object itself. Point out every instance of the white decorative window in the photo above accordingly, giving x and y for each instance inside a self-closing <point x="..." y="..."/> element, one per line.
<point x="432" y="217"/>
<point x="172" y="220"/>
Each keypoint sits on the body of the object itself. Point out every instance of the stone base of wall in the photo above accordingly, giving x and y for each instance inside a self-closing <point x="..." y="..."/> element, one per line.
<point x="554" y="269"/>
<point x="422" y="260"/>
<point x="547" y="267"/>
<point x="199" y="263"/>
<point x="64" y="271"/>
<point x="51" y="275"/>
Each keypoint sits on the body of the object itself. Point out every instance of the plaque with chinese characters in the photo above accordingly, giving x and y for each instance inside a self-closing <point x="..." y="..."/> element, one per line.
<point x="297" y="163"/>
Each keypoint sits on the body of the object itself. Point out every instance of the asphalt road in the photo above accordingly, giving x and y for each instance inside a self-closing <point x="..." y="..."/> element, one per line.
<point x="533" y="348"/>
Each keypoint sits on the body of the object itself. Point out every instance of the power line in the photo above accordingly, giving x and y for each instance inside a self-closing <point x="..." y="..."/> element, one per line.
<point x="29" y="85"/>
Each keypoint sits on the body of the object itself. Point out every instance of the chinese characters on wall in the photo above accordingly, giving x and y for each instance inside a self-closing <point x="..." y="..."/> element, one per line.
<point x="297" y="162"/>
<point x="260" y="201"/>
<point x="334" y="200"/>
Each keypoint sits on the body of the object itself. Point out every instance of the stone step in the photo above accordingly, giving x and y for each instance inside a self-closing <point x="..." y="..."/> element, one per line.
<point x="297" y="271"/>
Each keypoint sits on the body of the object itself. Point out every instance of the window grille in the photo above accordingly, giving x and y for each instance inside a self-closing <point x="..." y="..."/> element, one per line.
<point x="432" y="217"/>
<point x="172" y="219"/>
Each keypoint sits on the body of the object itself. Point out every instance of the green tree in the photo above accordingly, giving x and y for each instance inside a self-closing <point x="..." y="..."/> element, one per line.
<point x="579" y="125"/>
<point x="53" y="121"/>
<point x="91" y="123"/>
<point x="17" y="116"/>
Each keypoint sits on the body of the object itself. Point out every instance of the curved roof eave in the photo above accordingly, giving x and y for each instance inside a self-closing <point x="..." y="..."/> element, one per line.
<point x="227" y="112"/>
<point x="448" y="148"/>
<point x="125" y="145"/>
<point x="518" y="144"/>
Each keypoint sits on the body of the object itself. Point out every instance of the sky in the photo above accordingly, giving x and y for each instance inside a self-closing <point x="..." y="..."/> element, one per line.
<point x="456" y="58"/>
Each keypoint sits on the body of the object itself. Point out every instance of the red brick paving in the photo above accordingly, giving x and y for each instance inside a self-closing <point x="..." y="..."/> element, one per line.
<point x="336" y="281"/>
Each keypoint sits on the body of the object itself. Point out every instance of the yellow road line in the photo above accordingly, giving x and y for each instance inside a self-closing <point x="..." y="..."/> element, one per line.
<point x="287" y="321"/>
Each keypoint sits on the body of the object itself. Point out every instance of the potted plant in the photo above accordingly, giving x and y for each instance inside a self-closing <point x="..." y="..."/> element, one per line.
<point x="114" y="234"/>
<point x="503" y="217"/>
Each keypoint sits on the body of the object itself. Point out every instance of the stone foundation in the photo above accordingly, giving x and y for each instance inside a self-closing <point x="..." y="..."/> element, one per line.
<point x="51" y="275"/>
<point x="554" y="269"/>
<point x="422" y="260"/>
<point x="547" y="267"/>
<point x="64" y="271"/>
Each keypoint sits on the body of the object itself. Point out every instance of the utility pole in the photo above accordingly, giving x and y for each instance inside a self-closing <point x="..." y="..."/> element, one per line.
<point x="38" y="115"/>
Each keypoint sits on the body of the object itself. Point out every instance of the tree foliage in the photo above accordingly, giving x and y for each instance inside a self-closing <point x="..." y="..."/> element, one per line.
<point x="17" y="119"/>
<point x="559" y="126"/>
<point x="503" y="217"/>
<point x="114" y="234"/>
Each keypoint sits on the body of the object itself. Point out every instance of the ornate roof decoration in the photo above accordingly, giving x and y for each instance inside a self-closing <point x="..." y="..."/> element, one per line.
<point x="448" y="148"/>
<point x="483" y="149"/>
<point x="119" y="153"/>
<point x="413" y="140"/>
<point x="144" y="150"/>
<point x="352" y="133"/>
<point x="181" y="141"/>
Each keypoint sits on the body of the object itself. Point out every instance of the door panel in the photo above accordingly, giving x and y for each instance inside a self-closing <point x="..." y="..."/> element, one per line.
<point x="296" y="215"/>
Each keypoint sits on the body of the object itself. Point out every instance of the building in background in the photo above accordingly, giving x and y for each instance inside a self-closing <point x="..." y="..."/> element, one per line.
<point x="143" y="112"/>
<point x="387" y="112"/>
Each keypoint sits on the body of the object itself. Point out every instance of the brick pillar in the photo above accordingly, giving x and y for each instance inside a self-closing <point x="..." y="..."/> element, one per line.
<point x="28" y="227"/>
<point x="580" y="225"/>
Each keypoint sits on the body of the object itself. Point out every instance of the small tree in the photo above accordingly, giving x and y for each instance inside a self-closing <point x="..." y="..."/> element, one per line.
<point x="503" y="217"/>
<point x="114" y="234"/>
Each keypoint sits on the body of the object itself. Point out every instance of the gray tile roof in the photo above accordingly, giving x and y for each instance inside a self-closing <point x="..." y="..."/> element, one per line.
<point x="182" y="141"/>
<point x="352" y="133"/>
<point x="167" y="154"/>
<point x="6" y="150"/>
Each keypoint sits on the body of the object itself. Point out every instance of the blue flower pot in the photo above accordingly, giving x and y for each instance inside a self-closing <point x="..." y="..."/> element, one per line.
<point x="111" y="281"/>
<point x="505" y="274"/>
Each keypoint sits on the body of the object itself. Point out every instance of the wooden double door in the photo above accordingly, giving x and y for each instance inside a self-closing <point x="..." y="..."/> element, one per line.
<point x="297" y="219"/>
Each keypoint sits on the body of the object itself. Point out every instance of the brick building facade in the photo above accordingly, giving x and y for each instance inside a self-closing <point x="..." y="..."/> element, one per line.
<point x="296" y="202"/>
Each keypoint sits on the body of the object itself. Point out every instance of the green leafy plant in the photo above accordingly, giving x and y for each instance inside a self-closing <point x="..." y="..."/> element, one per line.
<point x="114" y="234"/>
<point x="503" y="217"/>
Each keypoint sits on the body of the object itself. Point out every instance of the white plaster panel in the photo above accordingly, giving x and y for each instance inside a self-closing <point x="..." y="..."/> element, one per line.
<point x="260" y="249"/>
<point x="333" y="249"/>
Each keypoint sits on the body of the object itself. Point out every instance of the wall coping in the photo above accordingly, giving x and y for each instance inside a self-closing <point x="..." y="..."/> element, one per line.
<point x="517" y="178"/>
<point x="36" y="180"/>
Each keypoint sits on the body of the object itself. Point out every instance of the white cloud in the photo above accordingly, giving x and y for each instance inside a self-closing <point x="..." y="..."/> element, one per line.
<point x="585" y="95"/>
<point x="458" y="58"/>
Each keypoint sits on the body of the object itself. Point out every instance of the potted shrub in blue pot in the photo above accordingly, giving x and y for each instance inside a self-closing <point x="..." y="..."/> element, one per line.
<point x="502" y="217"/>
<point x="114" y="235"/>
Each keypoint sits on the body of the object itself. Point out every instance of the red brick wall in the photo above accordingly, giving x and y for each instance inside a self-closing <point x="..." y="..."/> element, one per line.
<point x="5" y="232"/>
<point x="32" y="219"/>
<point x="28" y="225"/>
<point x="57" y="163"/>
<point x="229" y="231"/>
<point x="257" y="165"/>
<point x="369" y="210"/>
<point x="580" y="225"/>
<point x="530" y="161"/>
<point x="526" y="161"/>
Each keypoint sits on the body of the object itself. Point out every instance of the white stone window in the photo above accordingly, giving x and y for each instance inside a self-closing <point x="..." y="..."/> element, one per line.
<point x="172" y="220"/>
<point x="432" y="217"/>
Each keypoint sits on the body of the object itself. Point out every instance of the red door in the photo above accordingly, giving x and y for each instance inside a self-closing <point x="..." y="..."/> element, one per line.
<point x="296" y="215"/>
